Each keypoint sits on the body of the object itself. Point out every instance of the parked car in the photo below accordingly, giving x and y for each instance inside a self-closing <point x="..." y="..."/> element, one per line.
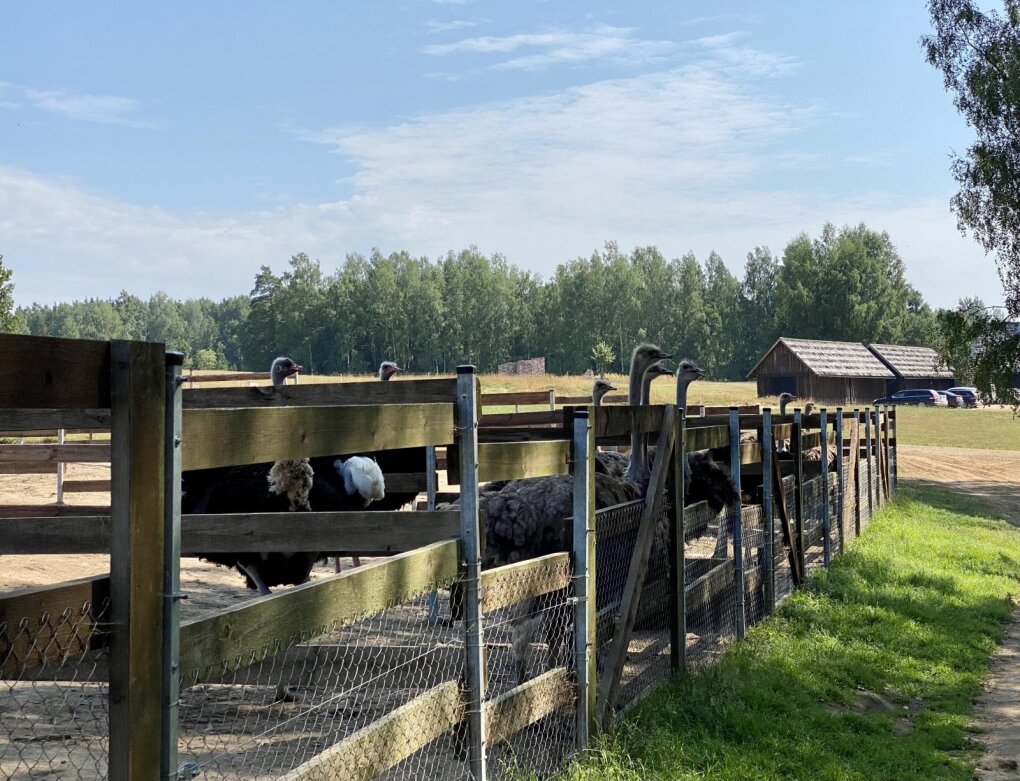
<point x="952" y="399"/>
<point x="924" y="398"/>
<point x="969" y="395"/>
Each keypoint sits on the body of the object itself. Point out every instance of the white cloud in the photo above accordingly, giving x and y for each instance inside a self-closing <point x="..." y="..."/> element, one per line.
<point x="618" y="44"/>
<point x="87" y="108"/>
<point x="435" y="26"/>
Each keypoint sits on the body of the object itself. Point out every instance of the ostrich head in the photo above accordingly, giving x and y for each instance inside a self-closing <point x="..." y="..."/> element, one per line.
<point x="281" y="369"/>
<point x="655" y="370"/>
<point x="686" y="373"/>
<point x="387" y="369"/>
<point x="784" y="399"/>
<point x="809" y="408"/>
<point x="641" y="360"/>
<point x="599" y="390"/>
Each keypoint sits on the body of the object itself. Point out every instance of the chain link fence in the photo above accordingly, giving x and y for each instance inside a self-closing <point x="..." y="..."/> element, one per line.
<point x="54" y="693"/>
<point x="709" y="583"/>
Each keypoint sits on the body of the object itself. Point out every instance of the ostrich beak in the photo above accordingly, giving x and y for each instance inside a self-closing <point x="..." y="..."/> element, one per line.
<point x="294" y="369"/>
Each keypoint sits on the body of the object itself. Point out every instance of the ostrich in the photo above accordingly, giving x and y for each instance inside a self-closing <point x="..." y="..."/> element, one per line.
<point x="599" y="390"/>
<point x="611" y="462"/>
<point x="284" y="486"/>
<point x="387" y="369"/>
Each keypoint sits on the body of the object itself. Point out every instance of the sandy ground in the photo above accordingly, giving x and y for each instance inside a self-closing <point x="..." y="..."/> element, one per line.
<point x="994" y="478"/>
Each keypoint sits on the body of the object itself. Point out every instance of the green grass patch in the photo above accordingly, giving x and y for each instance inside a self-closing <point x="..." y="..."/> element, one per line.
<point x="991" y="429"/>
<point x="869" y="672"/>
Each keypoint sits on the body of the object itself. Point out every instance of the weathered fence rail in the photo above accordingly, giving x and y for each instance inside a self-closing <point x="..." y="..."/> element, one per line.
<point x="419" y="664"/>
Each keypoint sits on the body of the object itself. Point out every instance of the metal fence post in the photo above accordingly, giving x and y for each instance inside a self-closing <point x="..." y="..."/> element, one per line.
<point x="738" y="522"/>
<point x="765" y="437"/>
<point x="797" y="442"/>
<point x="474" y="647"/>
<point x="887" y="469"/>
<point x="826" y="524"/>
<point x="171" y="693"/>
<point x="431" y="488"/>
<point x="677" y="559"/>
<point x="841" y="485"/>
<point x="584" y="581"/>
<point x="60" y="468"/>
<point x="895" y="449"/>
<point x="855" y="454"/>
<point x="876" y="441"/>
<point x="867" y="456"/>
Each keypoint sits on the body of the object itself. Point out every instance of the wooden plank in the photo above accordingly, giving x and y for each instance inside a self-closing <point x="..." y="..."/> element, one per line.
<point x="584" y="400"/>
<point x="522" y="706"/>
<point x="236" y="636"/>
<point x="743" y="409"/>
<point x="709" y="588"/>
<point x="522" y="397"/>
<point x="507" y="585"/>
<point x="223" y="437"/>
<point x="620" y="421"/>
<point x="505" y="419"/>
<point x="372" y="750"/>
<point x="403" y="482"/>
<point x="347" y="394"/>
<point x="514" y="460"/>
<point x="138" y="401"/>
<point x="28" y="469"/>
<point x="707" y="438"/>
<point x="779" y="492"/>
<point x="68" y="534"/>
<point x="77" y="453"/>
<point x="86" y="486"/>
<point x="54" y="374"/>
<point x="75" y="620"/>
<point x="44" y="511"/>
<point x="365" y="533"/>
<point x="636" y="572"/>
<point x="25" y="420"/>
<point x="226" y="377"/>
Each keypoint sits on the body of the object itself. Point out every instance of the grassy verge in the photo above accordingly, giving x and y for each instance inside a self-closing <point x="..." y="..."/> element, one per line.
<point x="990" y="429"/>
<point x="870" y="672"/>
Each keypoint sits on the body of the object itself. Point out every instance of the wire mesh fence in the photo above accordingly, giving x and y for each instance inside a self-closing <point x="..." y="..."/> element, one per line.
<point x="54" y="694"/>
<point x="756" y="565"/>
<point x="529" y="658"/>
<point x="709" y="583"/>
<point x="380" y="693"/>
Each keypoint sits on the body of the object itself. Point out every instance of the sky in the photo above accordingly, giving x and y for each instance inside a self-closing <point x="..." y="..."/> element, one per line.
<point x="180" y="146"/>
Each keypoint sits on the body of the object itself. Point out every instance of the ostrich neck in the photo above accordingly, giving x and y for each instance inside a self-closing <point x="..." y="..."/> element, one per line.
<point x="681" y="392"/>
<point x="637" y="395"/>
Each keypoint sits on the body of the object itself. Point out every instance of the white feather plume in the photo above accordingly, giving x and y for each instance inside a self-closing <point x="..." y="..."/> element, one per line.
<point x="362" y="476"/>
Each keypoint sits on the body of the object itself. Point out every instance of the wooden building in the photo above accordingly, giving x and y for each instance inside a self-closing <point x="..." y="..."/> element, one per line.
<point x="828" y="372"/>
<point x="913" y="367"/>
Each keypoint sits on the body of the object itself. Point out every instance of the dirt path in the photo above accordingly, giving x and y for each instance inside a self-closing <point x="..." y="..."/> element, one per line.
<point x="994" y="478"/>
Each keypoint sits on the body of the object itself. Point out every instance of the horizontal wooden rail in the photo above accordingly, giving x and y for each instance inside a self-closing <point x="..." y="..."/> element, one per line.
<point x="347" y="394"/>
<point x="507" y="585"/>
<point x="584" y="400"/>
<point x="510" y="397"/>
<point x="30" y="420"/>
<point x="514" y="460"/>
<point x="49" y="468"/>
<point x="522" y="706"/>
<point x="86" y="486"/>
<point x="615" y="421"/>
<point x="58" y="534"/>
<point x="78" y="453"/>
<point x="54" y="374"/>
<point x="224" y="437"/>
<point x="60" y="623"/>
<point x="544" y="418"/>
<point x="372" y="750"/>
<point x="45" y="511"/>
<point x="235" y="637"/>
<point x="226" y="377"/>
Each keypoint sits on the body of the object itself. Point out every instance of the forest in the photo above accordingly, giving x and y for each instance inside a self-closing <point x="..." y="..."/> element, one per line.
<point x="847" y="284"/>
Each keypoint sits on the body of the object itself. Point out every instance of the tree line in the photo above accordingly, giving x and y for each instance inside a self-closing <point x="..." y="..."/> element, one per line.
<point x="846" y="284"/>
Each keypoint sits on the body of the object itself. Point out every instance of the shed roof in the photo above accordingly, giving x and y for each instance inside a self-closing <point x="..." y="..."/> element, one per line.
<point x="833" y="359"/>
<point x="906" y="361"/>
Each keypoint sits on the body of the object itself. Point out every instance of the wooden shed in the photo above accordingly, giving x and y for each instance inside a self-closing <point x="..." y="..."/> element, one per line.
<point x="913" y="367"/>
<point x="829" y="372"/>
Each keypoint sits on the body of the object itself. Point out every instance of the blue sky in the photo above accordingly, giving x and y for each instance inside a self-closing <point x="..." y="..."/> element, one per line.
<point x="179" y="146"/>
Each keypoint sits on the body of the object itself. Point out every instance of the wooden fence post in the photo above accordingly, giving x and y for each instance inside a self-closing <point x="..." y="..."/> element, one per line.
<point x="171" y="691"/>
<point x="841" y="485"/>
<point x="138" y="399"/>
<point x="677" y="558"/>
<point x="886" y="470"/>
<point x="768" y="508"/>
<point x="431" y="489"/>
<point x="826" y="525"/>
<point x="585" y="615"/>
<point x="895" y="448"/>
<point x="474" y="643"/>
<point x="60" y="469"/>
<point x="738" y="525"/>
<point x="867" y="458"/>
<point x="797" y="442"/>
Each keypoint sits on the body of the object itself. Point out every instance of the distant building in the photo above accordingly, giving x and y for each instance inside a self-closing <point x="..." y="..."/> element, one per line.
<point x="828" y="372"/>
<point x="531" y="366"/>
<point x="913" y="367"/>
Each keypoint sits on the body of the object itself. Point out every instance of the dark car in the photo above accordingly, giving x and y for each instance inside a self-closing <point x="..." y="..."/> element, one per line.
<point x="924" y="398"/>
<point x="953" y="400"/>
<point x="969" y="396"/>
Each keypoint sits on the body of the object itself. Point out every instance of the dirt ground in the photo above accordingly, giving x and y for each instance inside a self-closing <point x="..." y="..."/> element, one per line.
<point x="994" y="478"/>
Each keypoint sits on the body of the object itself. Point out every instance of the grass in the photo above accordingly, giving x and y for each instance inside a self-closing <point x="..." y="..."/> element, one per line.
<point x="991" y="428"/>
<point x="869" y="672"/>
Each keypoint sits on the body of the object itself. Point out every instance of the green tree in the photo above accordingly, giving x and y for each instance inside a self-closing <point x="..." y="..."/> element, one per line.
<point x="978" y="53"/>
<point x="8" y="320"/>
<point x="603" y="355"/>
<point x="758" y="321"/>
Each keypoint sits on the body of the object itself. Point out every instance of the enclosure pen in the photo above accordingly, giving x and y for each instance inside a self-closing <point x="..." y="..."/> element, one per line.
<point x="427" y="662"/>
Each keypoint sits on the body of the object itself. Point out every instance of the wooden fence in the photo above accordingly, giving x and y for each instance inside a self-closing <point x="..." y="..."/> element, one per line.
<point x="157" y="429"/>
